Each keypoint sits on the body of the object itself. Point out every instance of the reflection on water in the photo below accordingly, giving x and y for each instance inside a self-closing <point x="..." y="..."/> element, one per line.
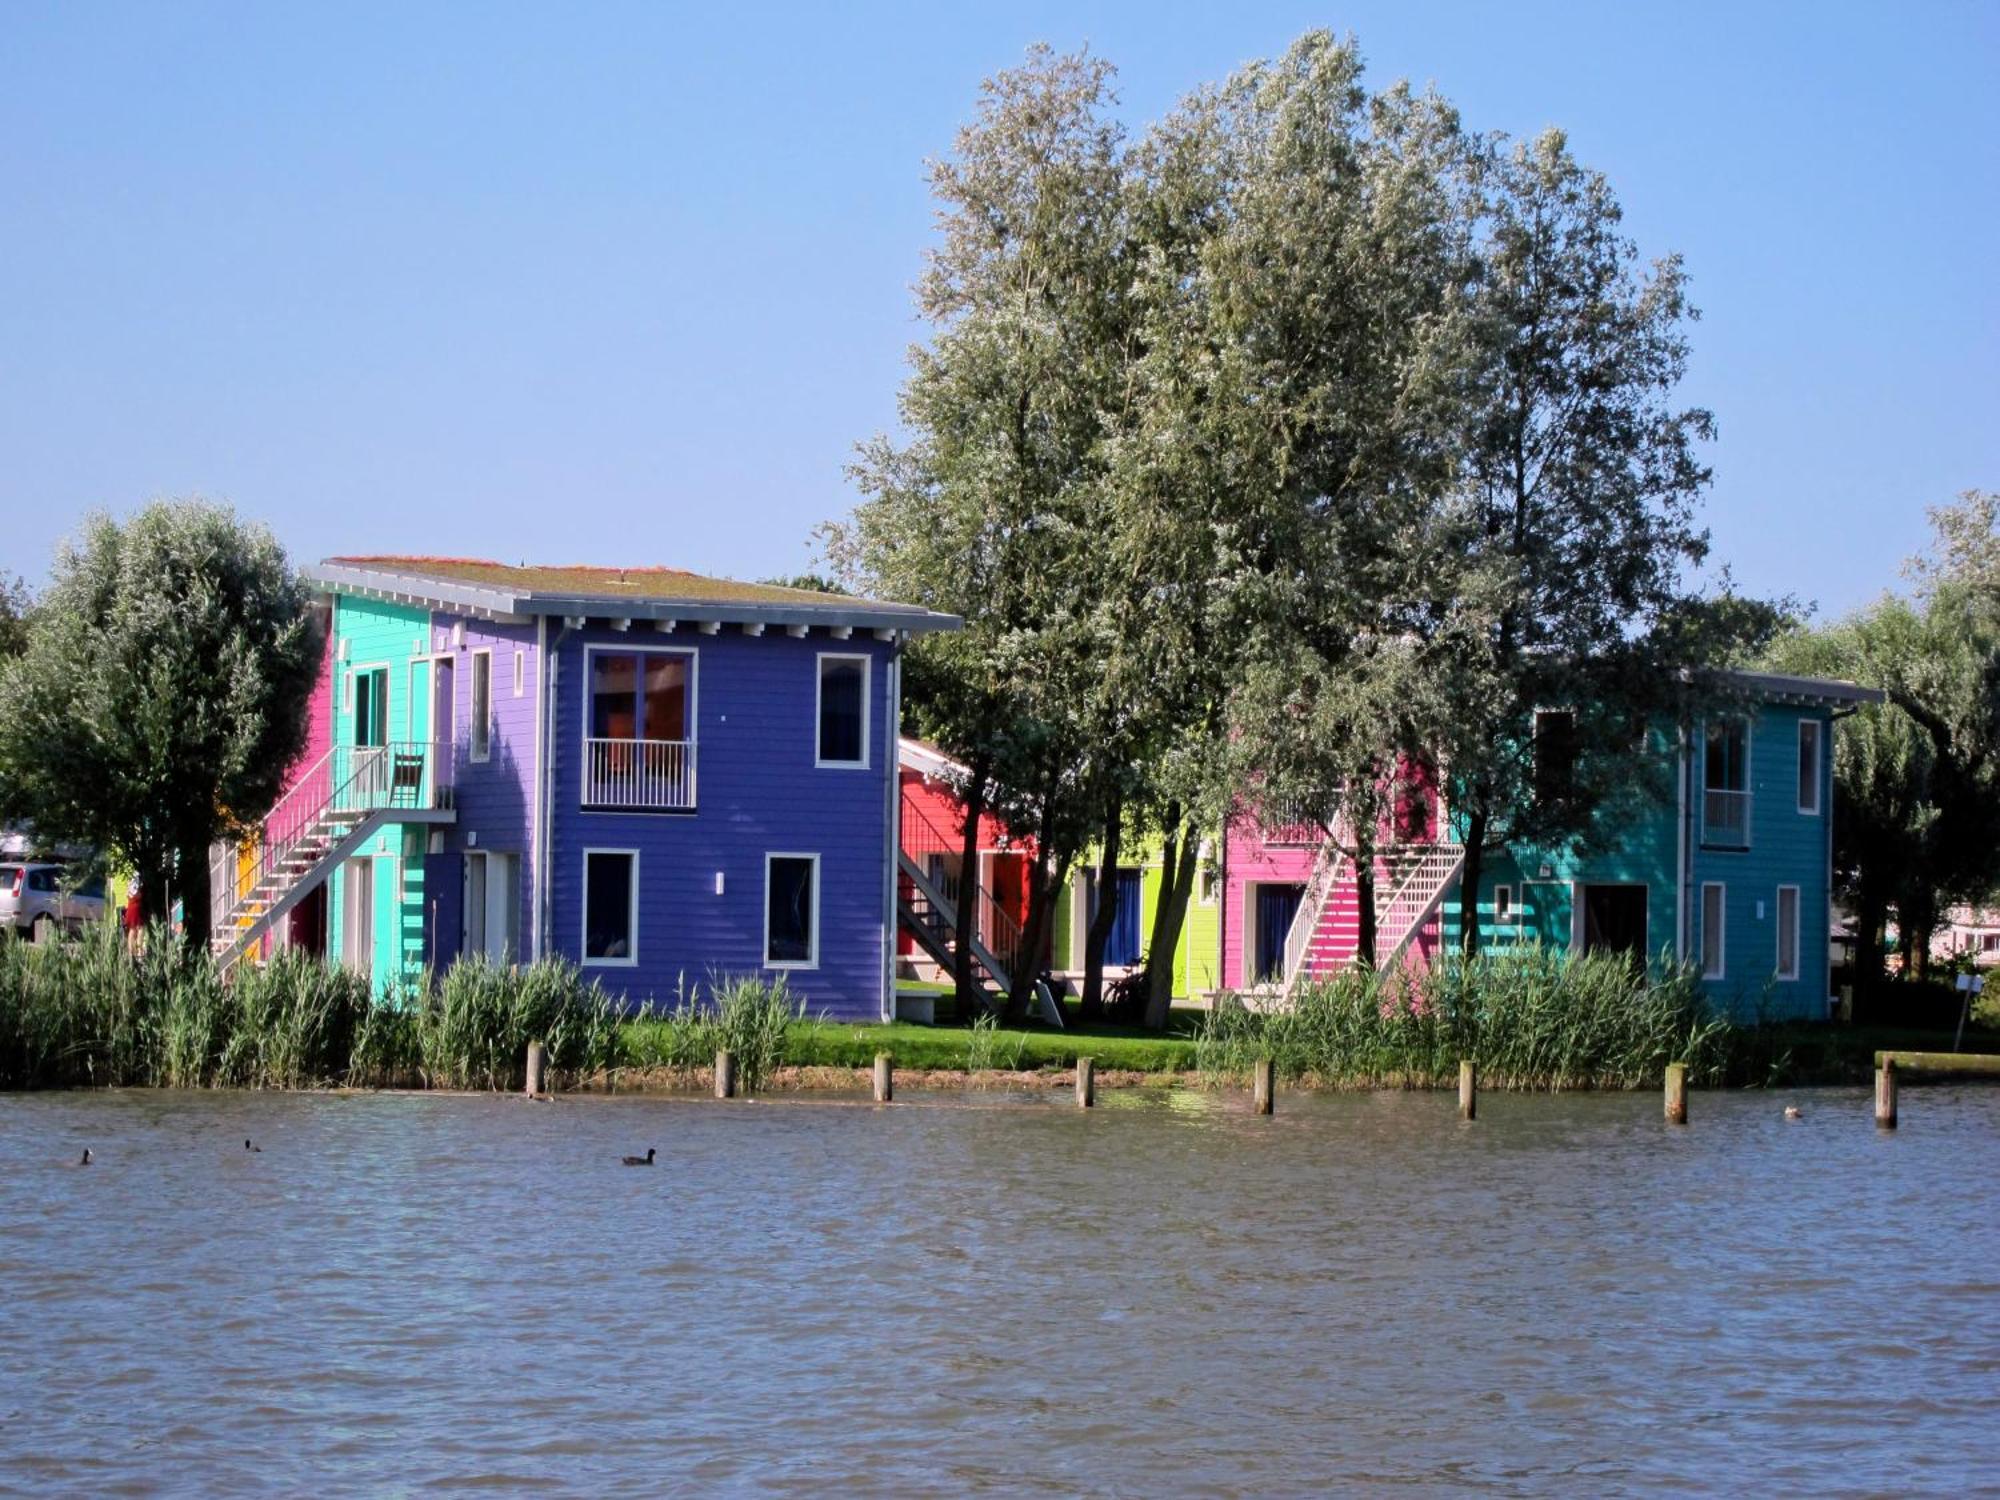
<point x="999" y="1291"/>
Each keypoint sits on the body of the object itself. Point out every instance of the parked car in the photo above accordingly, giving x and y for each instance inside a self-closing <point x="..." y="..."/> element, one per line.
<point x="38" y="900"/>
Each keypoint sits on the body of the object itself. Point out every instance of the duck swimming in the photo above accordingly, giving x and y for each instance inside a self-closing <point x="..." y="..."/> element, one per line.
<point x="248" y="1147"/>
<point x="642" y="1161"/>
<point x="86" y="1157"/>
<point x="1793" y="1112"/>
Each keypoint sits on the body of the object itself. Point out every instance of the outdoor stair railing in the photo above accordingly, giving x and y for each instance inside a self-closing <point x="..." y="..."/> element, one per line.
<point x="1409" y="887"/>
<point x="1328" y="866"/>
<point x="322" y="806"/>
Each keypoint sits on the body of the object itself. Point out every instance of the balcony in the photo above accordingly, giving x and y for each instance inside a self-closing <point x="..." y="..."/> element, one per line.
<point x="638" y="775"/>
<point x="1725" y="819"/>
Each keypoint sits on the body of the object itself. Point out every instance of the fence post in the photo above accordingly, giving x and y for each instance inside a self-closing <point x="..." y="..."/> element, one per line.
<point x="538" y="1069"/>
<point x="1885" y="1094"/>
<point x="1264" y="1085"/>
<point x="1468" y="1089"/>
<point x="725" y="1075"/>
<point x="1677" y="1093"/>
<point x="1086" y="1082"/>
<point x="885" y="1078"/>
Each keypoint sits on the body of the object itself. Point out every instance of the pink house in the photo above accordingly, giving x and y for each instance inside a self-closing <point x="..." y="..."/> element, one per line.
<point x="1291" y="902"/>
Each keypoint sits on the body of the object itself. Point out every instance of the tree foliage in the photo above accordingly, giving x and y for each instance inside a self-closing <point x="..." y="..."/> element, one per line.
<point x="16" y="607"/>
<point x="161" y="696"/>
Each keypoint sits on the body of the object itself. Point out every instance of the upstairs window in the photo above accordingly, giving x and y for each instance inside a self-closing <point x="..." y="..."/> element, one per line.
<point x="1725" y="801"/>
<point x="1555" y="754"/>
<point x="1809" y="772"/>
<point x="843" y="711"/>
<point x="639" y="695"/>
<point x="482" y="704"/>
<point x="791" y="911"/>
<point x="369" y="695"/>
<point x="520" y="673"/>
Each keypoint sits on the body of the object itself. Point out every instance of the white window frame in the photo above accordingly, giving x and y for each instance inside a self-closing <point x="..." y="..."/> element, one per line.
<point x="811" y="961"/>
<point x="520" y="672"/>
<point x="1788" y="973"/>
<point x="631" y="958"/>
<point x="1505" y="913"/>
<point x="479" y="754"/>
<point x="609" y="648"/>
<point x="1819" y="763"/>
<point x="867" y="708"/>
<point x="1721" y="969"/>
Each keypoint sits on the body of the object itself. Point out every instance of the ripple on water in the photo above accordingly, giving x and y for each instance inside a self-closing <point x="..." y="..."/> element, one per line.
<point x="991" y="1290"/>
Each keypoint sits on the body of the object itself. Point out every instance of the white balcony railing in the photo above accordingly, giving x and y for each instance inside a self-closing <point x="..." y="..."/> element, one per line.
<point x="644" y="775"/>
<point x="1725" y="819"/>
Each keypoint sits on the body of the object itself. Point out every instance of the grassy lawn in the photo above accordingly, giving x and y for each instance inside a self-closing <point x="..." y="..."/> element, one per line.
<point x="837" y="1045"/>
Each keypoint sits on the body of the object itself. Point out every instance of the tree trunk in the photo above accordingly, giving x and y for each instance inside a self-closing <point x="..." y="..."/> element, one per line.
<point x="1104" y="917"/>
<point x="1476" y="825"/>
<point x="1870" y="916"/>
<point x="1178" y="870"/>
<point x="1042" y="884"/>
<point x="1364" y="901"/>
<point x="972" y="996"/>
<point x="155" y="875"/>
<point x="191" y="862"/>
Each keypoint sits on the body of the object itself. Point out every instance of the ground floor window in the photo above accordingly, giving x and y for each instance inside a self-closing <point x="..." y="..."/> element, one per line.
<point x="1713" y="930"/>
<point x="791" y="910"/>
<point x="611" y="906"/>
<point x="1272" y="908"/>
<point x="1503" y="905"/>
<point x="1788" y="932"/>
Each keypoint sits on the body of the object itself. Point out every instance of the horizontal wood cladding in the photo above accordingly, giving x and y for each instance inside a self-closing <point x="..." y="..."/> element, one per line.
<point x="754" y="716"/>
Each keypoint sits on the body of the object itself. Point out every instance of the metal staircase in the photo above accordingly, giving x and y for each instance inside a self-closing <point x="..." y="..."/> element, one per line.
<point x="928" y="911"/>
<point x="1411" y="881"/>
<point x="326" y="815"/>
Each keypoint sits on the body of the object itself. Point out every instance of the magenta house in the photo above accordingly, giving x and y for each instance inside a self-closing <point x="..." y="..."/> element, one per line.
<point x="662" y="777"/>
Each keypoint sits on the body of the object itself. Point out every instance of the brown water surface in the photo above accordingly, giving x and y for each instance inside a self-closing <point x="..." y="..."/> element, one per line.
<point x="999" y="1293"/>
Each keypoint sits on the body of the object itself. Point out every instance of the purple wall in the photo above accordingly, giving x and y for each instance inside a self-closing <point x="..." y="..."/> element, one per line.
<point x="755" y="705"/>
<point x="496" y="797"/>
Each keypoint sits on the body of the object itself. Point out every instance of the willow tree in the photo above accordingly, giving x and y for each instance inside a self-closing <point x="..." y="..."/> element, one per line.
<point x="990" y="509"/>
<point x="161" y="695"/>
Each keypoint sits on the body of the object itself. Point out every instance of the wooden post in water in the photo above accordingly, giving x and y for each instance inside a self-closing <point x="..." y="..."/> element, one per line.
<point x="1264" y="1085"/>
<point x="885" y="1078"/>
<point x="1885" y="1094"/>
<point x="1677" y="1093"/>
<point x="725" y="1075"/>
<point x="1086" y="1082"/>
<point x="1468" y="1089"/>
<point x="538" y="1069"/>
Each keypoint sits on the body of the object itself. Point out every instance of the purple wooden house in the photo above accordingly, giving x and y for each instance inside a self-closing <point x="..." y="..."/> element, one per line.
<point x="660" y="776"/>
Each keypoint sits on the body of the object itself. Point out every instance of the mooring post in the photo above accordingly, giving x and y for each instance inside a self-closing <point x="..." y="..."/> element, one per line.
<point x="1885" y="1094"/>
<point x="1264" y="1085"/>
<point x="1677" y="1093"/>
<point x="1086" y="1082"/>
<point x="725" y="1075"/>
<point x="538" y="1069"/>
<point x="1468" y="1089"/>
<point x="885" y="1078"/>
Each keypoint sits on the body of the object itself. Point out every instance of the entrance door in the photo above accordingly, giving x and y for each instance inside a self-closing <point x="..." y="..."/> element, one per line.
<point x="1276" y="906"/>
<point x="371" y="706"/>
<point x="1614" y="920"/>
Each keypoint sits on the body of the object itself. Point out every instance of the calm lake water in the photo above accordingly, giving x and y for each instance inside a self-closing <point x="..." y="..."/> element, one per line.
<point x="999" y="1293"/>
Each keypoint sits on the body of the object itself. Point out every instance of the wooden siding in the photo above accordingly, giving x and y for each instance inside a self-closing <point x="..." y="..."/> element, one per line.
<point x="758" y="793"/>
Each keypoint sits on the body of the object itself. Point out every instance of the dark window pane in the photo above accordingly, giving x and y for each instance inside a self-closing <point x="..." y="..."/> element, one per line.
<point x="1555" y="755"/>
<point x="614" y="696"/>
<point x="666" y="698"/>
<point x="788" y="919"/>
<point x="607" y="903"/>
<point x="1725" y="767"/>
<point x="840" y="727"/>
<point x="1809" y="766"/>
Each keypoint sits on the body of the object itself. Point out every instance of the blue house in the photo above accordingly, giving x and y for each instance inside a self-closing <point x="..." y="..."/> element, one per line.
<point x="660" y="776"/>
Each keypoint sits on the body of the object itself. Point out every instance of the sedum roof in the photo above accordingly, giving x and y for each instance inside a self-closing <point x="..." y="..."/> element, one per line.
<point x="484" y="586"/>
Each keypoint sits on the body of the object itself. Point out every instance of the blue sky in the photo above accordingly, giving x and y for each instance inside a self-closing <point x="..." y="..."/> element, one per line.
<point x="622" y="283"/>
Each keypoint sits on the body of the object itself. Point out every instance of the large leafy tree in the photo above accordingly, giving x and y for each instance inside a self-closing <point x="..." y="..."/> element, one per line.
<point x="161" y="695"/>
<point x="1567" y="543"/>
<point x="16" y="605"/>
<point x="991" y="507"/>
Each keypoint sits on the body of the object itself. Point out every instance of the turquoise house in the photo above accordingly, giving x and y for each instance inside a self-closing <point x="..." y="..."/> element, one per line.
<point x="1733" y="874"/>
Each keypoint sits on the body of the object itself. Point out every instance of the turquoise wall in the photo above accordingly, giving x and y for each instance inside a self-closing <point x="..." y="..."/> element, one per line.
<point x="367" y="635"/>
<point x="1786" y="847"/>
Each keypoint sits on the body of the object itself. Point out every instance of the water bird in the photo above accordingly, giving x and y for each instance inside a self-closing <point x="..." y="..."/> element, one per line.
<point x="248" y="1147"/>
<point x="1793" y="1112"/>
<point x="86" y="1157"/>
<point x="642" y="1161"/>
